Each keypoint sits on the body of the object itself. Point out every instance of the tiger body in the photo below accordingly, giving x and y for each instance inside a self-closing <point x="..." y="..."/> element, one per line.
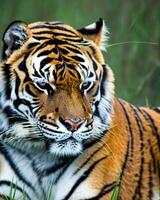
<point x="62" y="129"/>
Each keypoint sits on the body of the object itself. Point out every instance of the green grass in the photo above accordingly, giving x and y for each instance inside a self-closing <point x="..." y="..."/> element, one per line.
<point x="12" y="192"/>
<point x="13" y="188"/>
<point x="49" y="193"/>
<point x="115" y="193"/>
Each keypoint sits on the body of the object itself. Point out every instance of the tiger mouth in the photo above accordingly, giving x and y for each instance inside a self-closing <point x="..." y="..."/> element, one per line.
<point x="59" y="136"/>
<point x="68" y="137"/>
<point x="71" y="146"/>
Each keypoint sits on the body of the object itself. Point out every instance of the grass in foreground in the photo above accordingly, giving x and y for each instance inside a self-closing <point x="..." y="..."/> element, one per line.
<point x="13" y="188"/>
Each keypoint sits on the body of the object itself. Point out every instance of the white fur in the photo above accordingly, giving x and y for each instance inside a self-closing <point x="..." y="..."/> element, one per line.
<point x="68" y="180"/>
<point x="156" y="195"/>
<point x="104" y="38"/>
<point x="66" y="148"/>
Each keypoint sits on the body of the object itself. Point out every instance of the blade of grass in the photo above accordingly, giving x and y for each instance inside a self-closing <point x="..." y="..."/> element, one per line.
<point x="49" y="192"/>
<point x="115" y="193"/>
<point x="23" y="197"/>
<point x="11" y="189"/>
<point x="14" y="191"/>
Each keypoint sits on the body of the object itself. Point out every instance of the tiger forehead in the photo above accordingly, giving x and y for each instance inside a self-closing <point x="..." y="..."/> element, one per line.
<point x="60" y="51"/>
<point x="57" y="29"/>
<point x="58" y="38"/>
<point x="59" y="67"/>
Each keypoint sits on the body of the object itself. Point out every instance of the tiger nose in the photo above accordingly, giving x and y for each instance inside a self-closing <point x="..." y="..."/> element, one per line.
<point x="72" y="124"/>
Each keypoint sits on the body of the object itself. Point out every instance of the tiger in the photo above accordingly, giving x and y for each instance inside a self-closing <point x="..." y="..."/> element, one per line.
<point x="63" y="131"/>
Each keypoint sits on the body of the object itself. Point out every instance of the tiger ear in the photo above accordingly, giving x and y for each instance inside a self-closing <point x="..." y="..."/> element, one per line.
<point x="96" y="32"/>
<point x="14" y="37"/>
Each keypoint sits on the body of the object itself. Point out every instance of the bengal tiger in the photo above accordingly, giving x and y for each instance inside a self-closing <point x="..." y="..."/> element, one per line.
<point x="62" y="128"/>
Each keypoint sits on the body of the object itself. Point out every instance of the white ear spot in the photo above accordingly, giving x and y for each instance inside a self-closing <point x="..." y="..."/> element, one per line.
<point x="91" y="26"/>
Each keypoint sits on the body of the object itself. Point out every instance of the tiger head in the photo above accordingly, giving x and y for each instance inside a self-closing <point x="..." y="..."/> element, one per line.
<point x="55" y="89"/>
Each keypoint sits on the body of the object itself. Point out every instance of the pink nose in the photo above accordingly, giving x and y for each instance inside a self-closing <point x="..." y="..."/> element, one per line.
<point x="73" y="124"/>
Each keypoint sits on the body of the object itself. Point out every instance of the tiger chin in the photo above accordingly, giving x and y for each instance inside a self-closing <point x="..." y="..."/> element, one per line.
<point x="61" y="126"/>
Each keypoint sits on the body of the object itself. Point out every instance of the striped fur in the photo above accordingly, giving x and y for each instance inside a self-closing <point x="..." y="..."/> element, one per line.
<point x="61" y="126"/>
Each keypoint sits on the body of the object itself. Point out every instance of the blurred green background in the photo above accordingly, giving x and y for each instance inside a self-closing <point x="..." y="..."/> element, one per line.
<point x="133" y="50"/>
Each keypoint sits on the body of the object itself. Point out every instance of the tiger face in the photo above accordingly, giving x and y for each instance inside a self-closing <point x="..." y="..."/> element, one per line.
<point x="56" y="91"/>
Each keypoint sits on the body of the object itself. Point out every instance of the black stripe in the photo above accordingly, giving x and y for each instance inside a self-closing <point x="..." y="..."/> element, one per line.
<point x="5" y="197"/>
<point x="96" y="92"/>
<point x="37" y="108"/>
<point x="36" y="73"/>
<point x="7" y="77"/>
<point x="23" y="68"/>
<point x="14" y="167"/>
<point x="87" y="160"/>
<point x="43" y="32"/>
<point x="67" y="36"/>
<point x="9" y="184"/>
<point x="104" y="78"/>
<point x="130" y="128"/>
<point x="50" y="130"/>
<point x="69" y="40"/>
<point x="33" y="44"/>
<point x="18" y="101"/>
<point x="139" y="124"/>
<point x="126" y="158"/>
<point x="96" y="112"/>
<point x="46" y="25"/>
<point x="45" y="53"/>
<point x="29" y="91"/>
<point x="90" y="144"/>
<point x="106" y="189"/>
<point x="64" y="50"/>
<point x="72" y="73"/>
<point x="44" y="62"/>
<point x="78" y="58"/>
<point x="55" y="167"/>
<point x="73" y="49"/>
<point x="158" y="167"/>
<point x="42" y="26"/>
<point x="12" y="116"/>
<point x="83" y="177"/>
<point x="71" y="66"/>
<point x="48" y="122"/>
<point x="153" y="157"/>
<point x="40" y="38"/>
<point x="94" y="141"/>
<point x="63" y="29"/>
<point x="89" y="88"/>
<point x="150" y="182"/>
<point x="41" y="46"/>
<point x="84" y="67"/>
<point x="56" y="33"/>
<point x="95" y="66"/>
<point x="153" y="126"/>
<point x="156" y="110"/>
<point x="17" y="84"/>
<point x="63" y="170"/>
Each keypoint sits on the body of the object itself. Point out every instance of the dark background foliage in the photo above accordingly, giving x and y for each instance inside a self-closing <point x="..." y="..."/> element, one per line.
<point x="133" y="50"/>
